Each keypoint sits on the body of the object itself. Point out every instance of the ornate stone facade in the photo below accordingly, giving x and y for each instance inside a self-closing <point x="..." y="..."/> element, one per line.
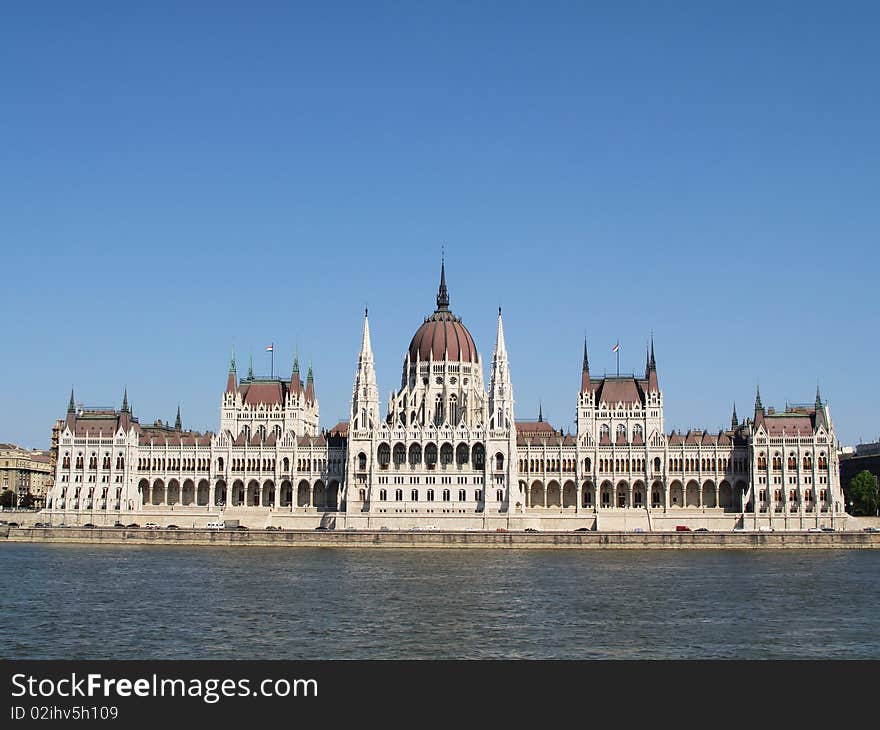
<point x="450" y="453"/>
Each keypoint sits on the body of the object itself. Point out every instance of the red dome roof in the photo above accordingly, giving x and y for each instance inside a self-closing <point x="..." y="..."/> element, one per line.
<point x="440" y="336"/>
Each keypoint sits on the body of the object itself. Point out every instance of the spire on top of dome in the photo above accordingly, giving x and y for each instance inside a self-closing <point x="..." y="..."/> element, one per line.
<point x="443" y="292"/>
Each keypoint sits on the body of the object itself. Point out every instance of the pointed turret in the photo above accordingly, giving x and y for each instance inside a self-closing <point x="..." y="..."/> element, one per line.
<point x="124" y="408"/>
<point x="365" y="393"/>
<point x="734" y="421"/>
<point x="71" y="407"/>
<point x="818" y="398"/>
<point x="251" y="367"/>
<point x="178" y="425"/>
<point x="653" y="382"/>
<point x="759" y="407"/>
<point x="500" y="388"/>
<point x="443" y="293"/>
<point x="585" y="370"/>
<point x="310" y="385"/>
<point x="295" y="383"/>
<point x="231" y="379"/>
<point x="540" y="412"/>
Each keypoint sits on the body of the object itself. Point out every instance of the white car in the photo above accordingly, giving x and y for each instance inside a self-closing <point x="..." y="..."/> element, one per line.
<point x="215" y="526"/>
<point x="151" y="526"/>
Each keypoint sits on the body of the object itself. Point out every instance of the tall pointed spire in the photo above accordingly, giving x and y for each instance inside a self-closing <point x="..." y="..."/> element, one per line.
<point x="295" y="383"/>
<point x="251" y="367"/>
<point x="365" y="393"/>
<point x="231" y="378"/>
<point x="178" y="425"/>
<point x="734" y="421"/>
<point x="540" y="412"/>
<point x="232" y="361"/>
<point x="443" y="292"/>
<point x="310" y="385"/>
<point x="758" y="405"/>
<point x="818" y="398"/>
<point x="653" y="382"/>
<point x="71" y="407"/>
<point x="125" y="401"/>
<point x="366" y="347"/>
<point x="500" y="406"/>
<point x="585" y="370"/>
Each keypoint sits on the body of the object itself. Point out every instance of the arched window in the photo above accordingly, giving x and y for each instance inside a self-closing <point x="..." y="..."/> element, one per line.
<point x="479" y="456"/>
<point x="431" y="455"/>
<point x="415" y="455"/>
<point x="446" y="454"/>
<point x="462" y="454"/>
<point x="414" y="495"/>
<point x="499" y="461"/>
<point x="605" y="430"/>
<point x="362" y="461"/>
<point x="453" y="410"/>
<point x="383" y="455"/>
<point x="399" y="455"/>
<point x="438" y="411"/>
<point x="398" y="495"/>
<point x="430" y="495"/>
<point x="383" y="495"/>
<point x="445" y="495"/>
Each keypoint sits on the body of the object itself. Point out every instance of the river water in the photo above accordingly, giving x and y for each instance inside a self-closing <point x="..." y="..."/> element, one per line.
<point x="144" y="602"/>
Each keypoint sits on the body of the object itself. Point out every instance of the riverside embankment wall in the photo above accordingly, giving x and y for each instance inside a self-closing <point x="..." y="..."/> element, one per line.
<point x="450" y="539"/>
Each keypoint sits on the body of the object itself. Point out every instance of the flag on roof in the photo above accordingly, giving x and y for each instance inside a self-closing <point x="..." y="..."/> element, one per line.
<point x="270" y="348"/>
<point x="616" y="347"/>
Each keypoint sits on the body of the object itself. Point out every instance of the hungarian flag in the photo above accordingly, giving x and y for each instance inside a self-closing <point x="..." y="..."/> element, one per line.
<point x="616" y="347"/>
<point x="270" y="348"/>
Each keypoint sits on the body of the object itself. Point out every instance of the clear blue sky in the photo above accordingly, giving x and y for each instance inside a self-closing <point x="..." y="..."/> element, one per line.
<point x="179" y="177"/>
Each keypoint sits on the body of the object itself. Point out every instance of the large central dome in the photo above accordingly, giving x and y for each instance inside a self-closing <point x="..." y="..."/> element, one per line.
<point x="443" y="336"/>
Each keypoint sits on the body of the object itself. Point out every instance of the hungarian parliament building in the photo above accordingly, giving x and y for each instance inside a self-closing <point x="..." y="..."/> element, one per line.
<point x="448" y="453"/>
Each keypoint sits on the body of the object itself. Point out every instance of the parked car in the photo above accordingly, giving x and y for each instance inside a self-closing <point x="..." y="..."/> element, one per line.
<point x="766" y="528"/>
<point x="12" y="524"/>
<point x="321" y="527"/>
<point x="118" y="524"/>
<point x="42" y="524"/>
<point x="530" y="529"/>
<point x="871" y="529"/>
<point x="642" y="529"/>
<point x="582" y="529"/>
<point x="383" y="529"/>
<point x="350" y="529"/>
<point x="828" y="529"/>
<point x="215" y="526"/>
<point x="89" y="525"/>
<point x="682" y="528"/>
<point x="500" y="529"/>
<point x="241" y="527"/>
<point x="814" y="529"/>
<point x="133" y="526"/>
<point x="171" y="527"/>
<point x="272" y="527"/>
<point x="702" y="529"/>
<point x="151" y="526"/>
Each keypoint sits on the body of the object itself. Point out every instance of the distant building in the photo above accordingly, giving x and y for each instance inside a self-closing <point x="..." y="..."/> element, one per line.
<point x="25" y="471"/>
<point x="865" y="457"/>
<point x="449" y="452"/>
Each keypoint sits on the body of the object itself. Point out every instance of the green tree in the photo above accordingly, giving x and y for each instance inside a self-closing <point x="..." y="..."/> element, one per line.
<point x="27" y="501"/>
<point x="7" y="499"/>
<point x="863" y="492"/>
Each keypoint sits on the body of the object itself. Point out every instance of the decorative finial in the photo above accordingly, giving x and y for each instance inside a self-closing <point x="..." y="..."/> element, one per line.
<point x="540" y="412"/>
<point x="251" y="367"/>
<point x="232" y="361"/>
<point x="177" y="422"/>
<point x="443" y="292"/>
<point x="586" y="367"/>
<point x="125" y="401"/>
<point x="71" y="407"/>
<point x="734" y="421"/>
<point x="818" y="397"/>
<point x="758" y="405"/>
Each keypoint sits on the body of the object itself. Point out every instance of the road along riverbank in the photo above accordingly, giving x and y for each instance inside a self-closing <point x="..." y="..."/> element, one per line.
<point x="445" y="539"/>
